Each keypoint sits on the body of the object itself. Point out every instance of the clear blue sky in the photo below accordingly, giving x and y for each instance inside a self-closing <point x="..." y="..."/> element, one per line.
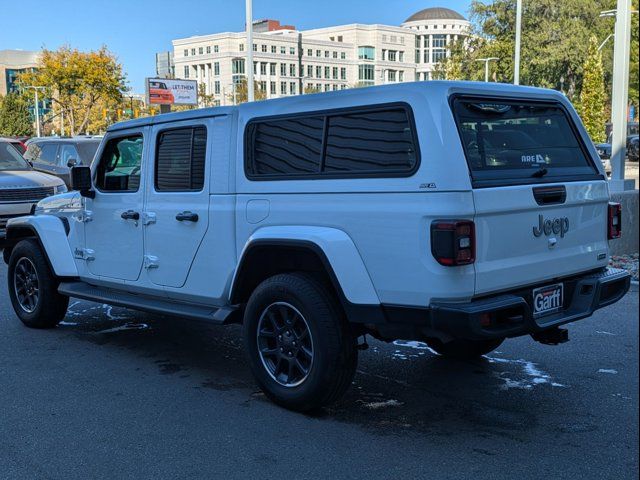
<point x="136" y="29"/>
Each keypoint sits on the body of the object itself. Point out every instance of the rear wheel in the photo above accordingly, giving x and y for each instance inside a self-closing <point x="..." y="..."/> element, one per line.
<point x="33" y="288"/>
<point x="301" y="351"/>
<point x="464" y="349"/>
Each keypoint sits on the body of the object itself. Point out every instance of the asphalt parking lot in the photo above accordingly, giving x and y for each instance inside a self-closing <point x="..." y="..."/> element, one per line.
<point x="117" y="394"/>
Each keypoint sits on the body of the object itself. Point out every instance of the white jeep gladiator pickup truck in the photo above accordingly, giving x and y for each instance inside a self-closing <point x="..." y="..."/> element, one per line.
<point x="458" y="214"/>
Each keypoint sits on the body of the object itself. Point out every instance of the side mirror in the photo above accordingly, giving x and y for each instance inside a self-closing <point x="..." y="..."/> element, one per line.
<point x="72" y="163"/>
<point x="81" y="181"/>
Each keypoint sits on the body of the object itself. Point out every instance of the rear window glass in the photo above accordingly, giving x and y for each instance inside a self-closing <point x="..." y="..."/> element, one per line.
<point x="516" y="142"/>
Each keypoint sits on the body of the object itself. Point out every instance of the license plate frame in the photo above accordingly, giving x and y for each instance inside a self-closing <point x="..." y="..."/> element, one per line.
<point x="547" y="300"/>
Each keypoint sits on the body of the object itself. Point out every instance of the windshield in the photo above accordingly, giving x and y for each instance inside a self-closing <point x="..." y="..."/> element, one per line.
<point x="519" y="142"/>
<point x="10" y="158"/>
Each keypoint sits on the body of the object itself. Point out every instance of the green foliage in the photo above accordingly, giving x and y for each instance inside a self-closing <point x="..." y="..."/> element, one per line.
<point x="241" y="93"/>
<point x="15" y="119"/>
<point x="593" y="96"/>
<point x="555" y="42"/>
<point x="78" y="82"/>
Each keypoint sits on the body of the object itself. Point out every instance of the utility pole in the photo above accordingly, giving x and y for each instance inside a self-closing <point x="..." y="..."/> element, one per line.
<point x="249" y="67"/>
<point x="37" y="107"/>
<point x="620" y="95"/>
<point x="516" y="63"/>
<point x="486" y="65"/>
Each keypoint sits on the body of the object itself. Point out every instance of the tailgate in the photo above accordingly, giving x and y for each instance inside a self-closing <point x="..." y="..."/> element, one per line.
<point x="513" y="249"/>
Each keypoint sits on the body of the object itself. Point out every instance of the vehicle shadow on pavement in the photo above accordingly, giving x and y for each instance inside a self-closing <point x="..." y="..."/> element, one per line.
<point x="398" y="388"/>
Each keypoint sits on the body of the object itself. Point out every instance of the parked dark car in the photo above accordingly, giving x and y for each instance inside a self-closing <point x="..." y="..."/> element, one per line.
<point x="17" y="142"/>
<point x="632" y="149"/>
<point x="56" y="155"/>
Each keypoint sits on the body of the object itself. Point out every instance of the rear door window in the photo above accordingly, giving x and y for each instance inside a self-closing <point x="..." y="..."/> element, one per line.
<point x="48" y="153"/>
<point x="513" y="142"/>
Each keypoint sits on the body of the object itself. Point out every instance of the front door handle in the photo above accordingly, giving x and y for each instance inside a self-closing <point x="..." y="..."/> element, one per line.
<point x="187" y="217"/>
<point x="130" y="215"/>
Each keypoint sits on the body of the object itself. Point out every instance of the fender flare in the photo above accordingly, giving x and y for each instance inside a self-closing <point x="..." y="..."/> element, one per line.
<point x="50" y="231"/>
<point x="333" y="246"/>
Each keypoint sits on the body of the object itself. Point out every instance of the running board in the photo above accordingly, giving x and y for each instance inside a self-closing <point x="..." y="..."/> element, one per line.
<point x="147" y="303"/>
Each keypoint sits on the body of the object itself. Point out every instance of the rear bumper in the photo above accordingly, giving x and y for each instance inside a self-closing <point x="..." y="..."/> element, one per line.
<point x="510" y="314"/>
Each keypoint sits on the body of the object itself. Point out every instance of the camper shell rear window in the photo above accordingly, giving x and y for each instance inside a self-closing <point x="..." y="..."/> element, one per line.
<point x="513" y="142"/>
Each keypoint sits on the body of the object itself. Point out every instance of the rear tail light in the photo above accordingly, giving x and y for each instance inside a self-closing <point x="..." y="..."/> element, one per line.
<point x="614" y="229"/>
<point x="453" y="242"/>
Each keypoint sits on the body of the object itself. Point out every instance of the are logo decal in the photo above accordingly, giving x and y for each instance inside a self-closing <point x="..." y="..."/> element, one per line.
<point x="556" y="226"/>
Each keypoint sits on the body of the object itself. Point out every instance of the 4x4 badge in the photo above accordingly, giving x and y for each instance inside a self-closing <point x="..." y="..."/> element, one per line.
<point x="555" y="226"/>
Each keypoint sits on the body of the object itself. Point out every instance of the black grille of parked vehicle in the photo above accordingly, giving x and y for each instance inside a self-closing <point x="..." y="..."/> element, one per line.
<point x="25" y="194"/>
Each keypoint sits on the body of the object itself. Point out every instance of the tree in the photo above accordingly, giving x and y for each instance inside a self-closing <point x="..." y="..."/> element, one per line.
<point x="593" y="96"/>
<point x="15" y="119"/>
<point x="241" y="93"/>
<point x="310" y="89"/>
<point x="77" y="82"/>
<point x="204" y="100"/>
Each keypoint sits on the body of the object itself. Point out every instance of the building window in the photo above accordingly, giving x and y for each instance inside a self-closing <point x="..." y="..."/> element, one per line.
<point x="272" y="88"/>
<point x="200" y="51"/>
<point x="292" y="70"/>
<point x="292" y="50"/>
<point x="401" y="76"/>
<point x="340" y="38"/>
<point x="193" y="51"/>
<point x="180" y="160"/>
<point x="392" y="55"/>
<point x="401" y="57"/>
<point x="283" y="88"/>
<point x="392" y="75"/>
<point x="334" y="73"/>
<point x="327" y="72"/>
<point x="343" y="73"/>
<point x="216" y="68"/>
<point x="216" y="87"/>
<point x="274" y="49"/>
<point x="263" y="48"/>
<point x="292" y="88"/>
<point x="216" y="49"/>
<point x="263" y="86"/>
<point x="426" y="41"/>
<point x="366" y="74"/>
<point x="283" y="50"/>
<point x="309" y="53"/>
<point x="241" y="47"/>
<point x="185" y="52"/>
<point x="283" y="69"/>
<point x="272" y="69"/>
<point x="343" y="55"/>
<point x="326" y="87"/>
<point x="326" y="54"/>
<point x="366" y="53"/>
<point x="237" y="66"/>
<point x="318" y="53"/>
<point x="263" y="68"/>
<point x="186" y="71"/>
<point x="208" y="48"/>
<point x="318" y="72"/>
<point x="417" y="56"/>
<point x="335" y="54"/>
<point x="309" y="70"/>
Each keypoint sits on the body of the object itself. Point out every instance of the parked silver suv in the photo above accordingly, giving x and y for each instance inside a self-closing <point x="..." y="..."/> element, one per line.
<point x="20" y="186"/>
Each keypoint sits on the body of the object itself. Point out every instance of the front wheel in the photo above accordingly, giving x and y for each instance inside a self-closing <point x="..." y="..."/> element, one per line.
<point x="33" y="288"/>
<point x="301" y="351"/>
<point x="464" y="349"/>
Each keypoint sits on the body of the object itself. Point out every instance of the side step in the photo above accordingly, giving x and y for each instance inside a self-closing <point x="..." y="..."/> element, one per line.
<point x="147" y="303"/>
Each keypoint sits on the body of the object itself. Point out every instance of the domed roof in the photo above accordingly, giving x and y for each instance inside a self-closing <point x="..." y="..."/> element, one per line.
<point x="435" y="13"/>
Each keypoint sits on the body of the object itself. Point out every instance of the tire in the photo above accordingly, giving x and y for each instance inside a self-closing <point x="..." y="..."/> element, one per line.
<point x="47" y="307"/>
<point x="306" y="304"/>
<point x="464" y="349"/>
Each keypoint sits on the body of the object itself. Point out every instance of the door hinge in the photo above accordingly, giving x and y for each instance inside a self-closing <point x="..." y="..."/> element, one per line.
<point x="148" y="218"/>
<point x="85" y="216"/>
<point x="150" y="261"/>
<point x="85" y="254"/>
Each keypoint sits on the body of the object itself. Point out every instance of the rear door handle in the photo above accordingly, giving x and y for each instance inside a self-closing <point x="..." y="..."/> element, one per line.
<point x="130" y="215"/>
<point x="187" y="217"/>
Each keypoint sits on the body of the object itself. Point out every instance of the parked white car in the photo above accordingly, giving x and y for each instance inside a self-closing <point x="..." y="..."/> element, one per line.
<point x="21" y="187"/>
<point x="458" y="214"/>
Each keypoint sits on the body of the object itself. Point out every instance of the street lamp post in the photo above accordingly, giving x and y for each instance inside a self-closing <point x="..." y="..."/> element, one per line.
<point x="249" y="26"/>
<point x="516" y="63"/>
<point x="620" y="95"/>
<point x="486" y="65"/>
<point x="37" y="107"/>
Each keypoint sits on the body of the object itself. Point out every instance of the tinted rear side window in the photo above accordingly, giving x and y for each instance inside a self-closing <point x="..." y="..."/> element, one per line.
<point x="376" y="141"/>
<point x="287" y="146"/>
<point x="519" y="142"/>
<point x="180" y="159"/>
